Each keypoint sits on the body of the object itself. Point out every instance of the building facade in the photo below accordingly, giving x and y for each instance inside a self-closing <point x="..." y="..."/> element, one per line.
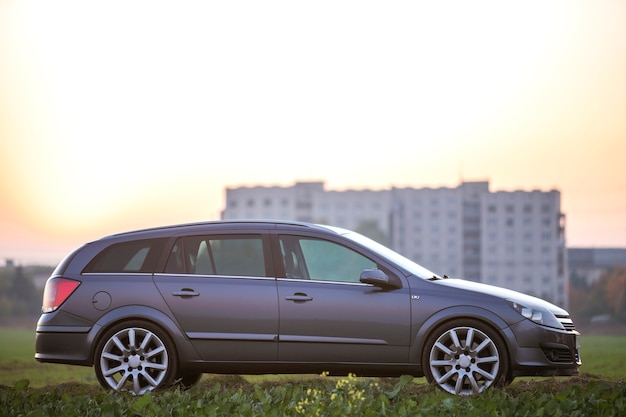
<point x="513" y="239"/>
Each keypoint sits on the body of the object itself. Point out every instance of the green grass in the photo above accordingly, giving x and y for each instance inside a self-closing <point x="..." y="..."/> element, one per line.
<point x="319" y="396"/>
<point x="604" y="356"/>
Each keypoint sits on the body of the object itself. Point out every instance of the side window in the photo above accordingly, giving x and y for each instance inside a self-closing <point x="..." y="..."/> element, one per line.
<point x="322" y="260"/>
<point x="240" y="255"/>
<point x="135" y="256"/>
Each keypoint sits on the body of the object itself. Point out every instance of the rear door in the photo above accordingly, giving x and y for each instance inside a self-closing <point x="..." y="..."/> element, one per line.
<point x="220" y="289"/>
<point x="327" y="315"/>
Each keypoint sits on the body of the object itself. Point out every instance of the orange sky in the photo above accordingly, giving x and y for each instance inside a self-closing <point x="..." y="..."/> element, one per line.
<point x="122" y="115"/>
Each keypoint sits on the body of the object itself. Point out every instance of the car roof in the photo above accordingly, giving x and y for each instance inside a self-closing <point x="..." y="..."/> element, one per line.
<point x="218" y="224"/>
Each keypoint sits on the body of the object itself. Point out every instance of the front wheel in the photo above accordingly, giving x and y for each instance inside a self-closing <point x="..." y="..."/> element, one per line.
<point x="136" y="357"/>
<point x="465" y="357"/>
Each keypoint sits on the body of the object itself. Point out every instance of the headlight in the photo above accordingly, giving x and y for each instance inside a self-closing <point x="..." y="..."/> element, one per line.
<point x="538" y="315"/>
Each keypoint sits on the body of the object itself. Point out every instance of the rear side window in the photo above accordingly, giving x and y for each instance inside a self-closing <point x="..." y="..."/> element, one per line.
<point x="136" y="256"/>
<point x="240" y="255"/>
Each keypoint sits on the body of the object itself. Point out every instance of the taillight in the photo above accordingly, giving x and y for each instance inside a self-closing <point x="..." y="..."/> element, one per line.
<point x="56" y="292"/>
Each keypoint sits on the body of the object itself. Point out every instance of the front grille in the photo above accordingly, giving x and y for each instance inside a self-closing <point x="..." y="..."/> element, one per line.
<point x="567" y="323"/>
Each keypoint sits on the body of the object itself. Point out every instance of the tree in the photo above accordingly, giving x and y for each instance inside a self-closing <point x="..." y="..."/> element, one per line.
<point x="608" y="295"/>
<point x="615" y="291"/>
<point x="18" y="295"/>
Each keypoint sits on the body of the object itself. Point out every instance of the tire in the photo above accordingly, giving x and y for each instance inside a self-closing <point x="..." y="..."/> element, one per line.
<point x="465" y="357"/>
<point x="135" y="356"/>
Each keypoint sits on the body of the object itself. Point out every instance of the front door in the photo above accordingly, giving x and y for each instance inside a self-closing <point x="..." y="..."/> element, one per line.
<point x="327" y="315"/>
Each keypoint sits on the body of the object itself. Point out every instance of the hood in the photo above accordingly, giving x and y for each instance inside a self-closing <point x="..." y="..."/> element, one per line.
<point x="503" y="293"/>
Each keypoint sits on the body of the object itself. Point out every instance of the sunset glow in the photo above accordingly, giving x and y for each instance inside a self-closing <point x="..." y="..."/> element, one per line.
<point x="123" y="115"/>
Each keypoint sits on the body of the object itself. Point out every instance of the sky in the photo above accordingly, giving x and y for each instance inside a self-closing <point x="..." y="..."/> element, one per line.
<point x="120" y="115"/>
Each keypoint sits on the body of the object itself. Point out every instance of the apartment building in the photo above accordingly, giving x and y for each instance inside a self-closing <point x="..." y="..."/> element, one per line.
<point x="514" y="239"/>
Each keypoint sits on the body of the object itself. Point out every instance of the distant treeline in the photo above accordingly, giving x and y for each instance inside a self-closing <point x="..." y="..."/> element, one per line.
<point x="607" y="297"/>
<point x="19" y="296"/>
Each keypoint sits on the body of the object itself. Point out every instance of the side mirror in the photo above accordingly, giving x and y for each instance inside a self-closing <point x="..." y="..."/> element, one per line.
<point x="376" y="277"/>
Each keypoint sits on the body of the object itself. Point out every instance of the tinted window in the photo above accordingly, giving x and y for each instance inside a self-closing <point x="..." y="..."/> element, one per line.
<point x="135" y="256"/>
<point x="217" y="255"/>
<point x="322" y="260"/>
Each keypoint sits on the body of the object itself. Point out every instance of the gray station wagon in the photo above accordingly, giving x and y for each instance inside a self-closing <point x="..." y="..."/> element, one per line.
<point x="153" y="308"/>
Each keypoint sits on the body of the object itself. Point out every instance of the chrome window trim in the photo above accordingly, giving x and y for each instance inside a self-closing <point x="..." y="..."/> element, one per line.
<point x="163" y="274"/>
<point x="319" y="281"/>
<point x="149" y="274"/>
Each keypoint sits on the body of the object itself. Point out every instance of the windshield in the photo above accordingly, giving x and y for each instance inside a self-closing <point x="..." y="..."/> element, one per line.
<point x="393" y="256"/>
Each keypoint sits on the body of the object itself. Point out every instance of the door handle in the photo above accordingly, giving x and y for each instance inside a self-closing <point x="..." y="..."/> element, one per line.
<point x="186" y="292"/>
<point x="299" y="297"/>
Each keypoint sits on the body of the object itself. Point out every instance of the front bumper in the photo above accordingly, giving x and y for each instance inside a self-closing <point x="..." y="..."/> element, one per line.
<point x="544" y="351"/>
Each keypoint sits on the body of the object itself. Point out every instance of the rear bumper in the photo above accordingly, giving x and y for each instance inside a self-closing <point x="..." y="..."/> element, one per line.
<point x="63" y="344"/>
<point x="543" y="351"/>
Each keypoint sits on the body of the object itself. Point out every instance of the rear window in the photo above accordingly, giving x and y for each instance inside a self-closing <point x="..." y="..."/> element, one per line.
<point x="136" y="256"/>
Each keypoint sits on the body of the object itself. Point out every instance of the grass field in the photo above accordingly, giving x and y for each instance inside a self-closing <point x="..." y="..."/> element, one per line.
<point x="603" y="356"/>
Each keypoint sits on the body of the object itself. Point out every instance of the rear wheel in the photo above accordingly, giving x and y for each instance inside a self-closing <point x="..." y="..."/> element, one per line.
<point x="465" y="357"/>
<point x="137" y="357"/>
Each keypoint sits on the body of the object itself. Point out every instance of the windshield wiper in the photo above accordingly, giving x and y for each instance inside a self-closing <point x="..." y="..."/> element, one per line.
<point x="436" y="278"/>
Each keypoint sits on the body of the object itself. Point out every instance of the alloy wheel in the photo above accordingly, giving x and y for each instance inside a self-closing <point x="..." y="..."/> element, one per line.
<point x="133" y="359"/>
<point x="464" y="360"/>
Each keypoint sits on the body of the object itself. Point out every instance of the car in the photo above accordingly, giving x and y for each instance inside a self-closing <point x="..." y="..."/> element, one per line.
<point x="159" y="307"/>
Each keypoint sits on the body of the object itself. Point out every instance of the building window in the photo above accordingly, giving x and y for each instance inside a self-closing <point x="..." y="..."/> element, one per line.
<point x="306" y="205"/>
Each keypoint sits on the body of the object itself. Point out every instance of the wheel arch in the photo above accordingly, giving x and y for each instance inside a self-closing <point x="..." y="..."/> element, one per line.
<point x="442" y="317"/>
<point x="183" y="346"/>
